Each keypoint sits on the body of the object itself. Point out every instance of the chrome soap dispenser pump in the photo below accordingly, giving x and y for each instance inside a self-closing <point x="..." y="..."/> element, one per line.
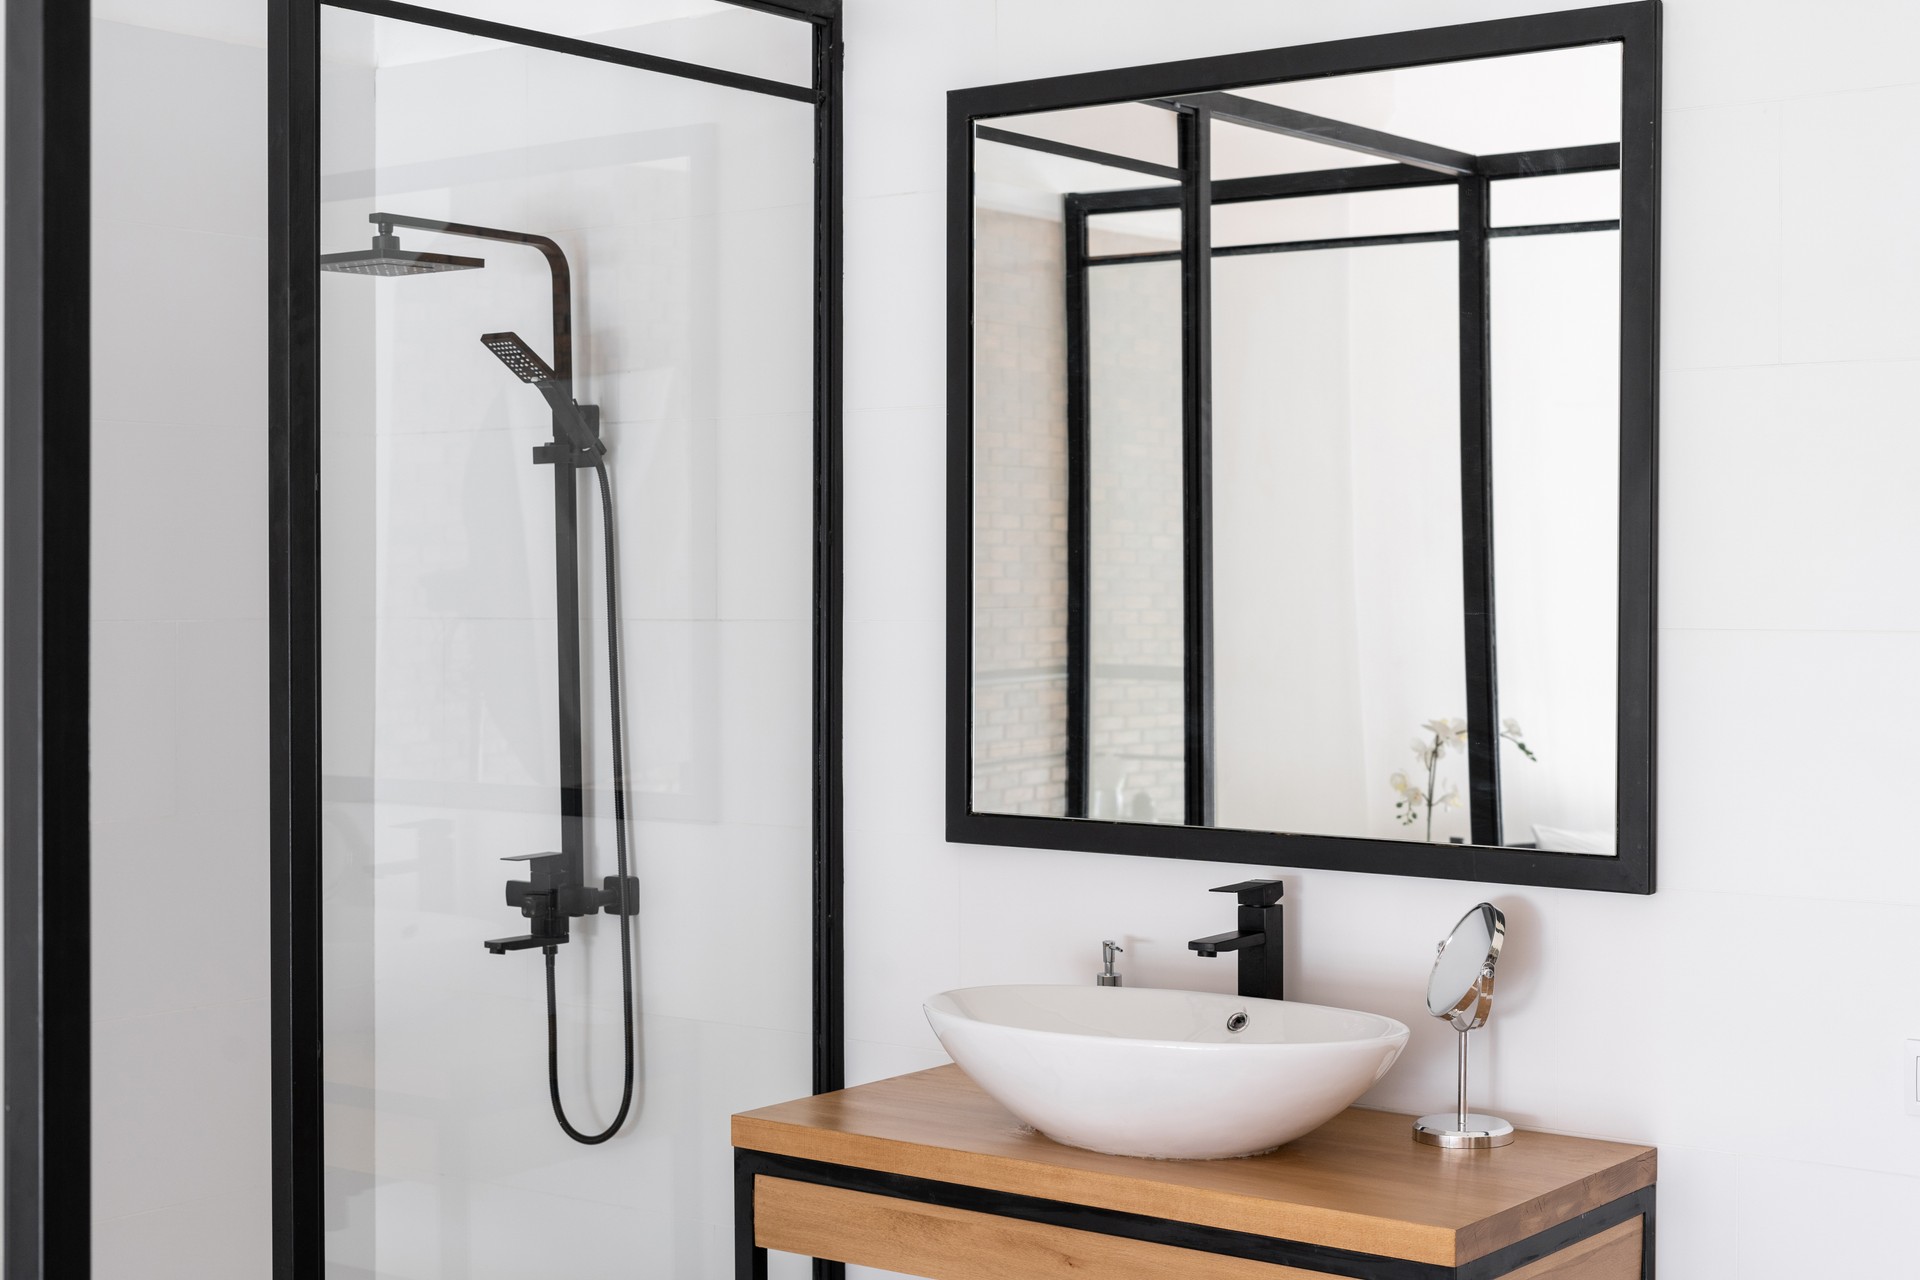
<point x="1109" y="978"/>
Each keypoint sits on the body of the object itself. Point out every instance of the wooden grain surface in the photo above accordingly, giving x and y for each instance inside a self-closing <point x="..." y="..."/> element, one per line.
<point x="1614" y="1254"/>
<point x="1360" y="1182"/>
<point x="955" y="1244"/>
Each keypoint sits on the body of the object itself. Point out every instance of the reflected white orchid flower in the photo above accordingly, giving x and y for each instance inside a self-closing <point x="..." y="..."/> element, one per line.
<point x="1511" y="731"/>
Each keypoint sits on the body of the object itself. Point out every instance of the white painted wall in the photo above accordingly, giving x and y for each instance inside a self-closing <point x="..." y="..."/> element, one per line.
<point x="1748" y="1018"/>
<point x="179" y="583"/>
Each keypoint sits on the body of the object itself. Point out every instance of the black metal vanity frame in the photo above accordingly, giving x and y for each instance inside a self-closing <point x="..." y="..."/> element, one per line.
<point x="1636" y="27"/>
<point x="750" y="1260"/>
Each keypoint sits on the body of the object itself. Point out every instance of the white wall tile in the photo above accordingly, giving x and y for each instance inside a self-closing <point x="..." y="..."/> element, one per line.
<point x="1849" y="270"/>
<point x="181" y="1108"/>
<point x="160" y="947"/>
<point x="896" y="302"/>
<point x="187" y="87"/>
<point x="896" y="539"/>
<point x="1721" y="51"/>
<point x="224" y="1237"/>
<point x="894" y="103"/>
<point x="179" y="324"/>
<point x="1849" y="698"/>
<point x="1720" y="240"/>
<point x="167" y="503"/>
<point x="1784" y="497"/>
<point x="132" y="721"/>
<point x="1800" y="1219"/>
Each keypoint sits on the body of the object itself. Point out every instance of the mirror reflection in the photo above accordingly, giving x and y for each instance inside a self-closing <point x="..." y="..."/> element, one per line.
<point x="1296" y="456"/>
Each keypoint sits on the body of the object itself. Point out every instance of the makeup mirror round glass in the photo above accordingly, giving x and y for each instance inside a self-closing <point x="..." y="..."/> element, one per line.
<point x="1461" y="988"/>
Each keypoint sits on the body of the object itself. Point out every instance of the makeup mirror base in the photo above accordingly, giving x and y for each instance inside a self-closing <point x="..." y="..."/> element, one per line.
<point x="1462" y="1133"/>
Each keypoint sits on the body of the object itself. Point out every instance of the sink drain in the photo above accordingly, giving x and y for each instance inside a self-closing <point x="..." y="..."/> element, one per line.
<point x="1238" y="1022"/>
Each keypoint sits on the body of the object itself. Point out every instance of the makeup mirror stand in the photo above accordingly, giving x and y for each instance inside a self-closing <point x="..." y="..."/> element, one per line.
<point x="1463" y="1001"/>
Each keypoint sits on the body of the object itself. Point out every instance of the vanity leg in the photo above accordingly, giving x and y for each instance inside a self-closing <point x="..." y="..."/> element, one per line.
<point x="1646" y="1236"/>
<point x="749" y="1260"/>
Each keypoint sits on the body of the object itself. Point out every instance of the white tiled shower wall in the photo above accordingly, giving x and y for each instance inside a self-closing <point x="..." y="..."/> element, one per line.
<point x="1747" y="1018"/>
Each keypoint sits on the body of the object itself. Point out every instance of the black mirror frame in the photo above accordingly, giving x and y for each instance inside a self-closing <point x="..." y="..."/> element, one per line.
<point x="1636" y="27"/>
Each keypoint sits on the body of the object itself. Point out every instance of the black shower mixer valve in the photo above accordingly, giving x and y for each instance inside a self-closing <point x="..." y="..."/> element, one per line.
<point x="554" y="895"/>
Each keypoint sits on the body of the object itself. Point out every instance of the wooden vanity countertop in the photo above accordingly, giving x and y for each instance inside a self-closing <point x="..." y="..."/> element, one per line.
<point x="1359" y="1182"/>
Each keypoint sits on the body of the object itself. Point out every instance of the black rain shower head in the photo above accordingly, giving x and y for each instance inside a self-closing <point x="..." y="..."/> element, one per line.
<point x="518" y="357"/>
<point x="387" y="258"/>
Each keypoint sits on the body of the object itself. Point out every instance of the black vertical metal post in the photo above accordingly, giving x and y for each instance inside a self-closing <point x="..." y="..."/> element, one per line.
<point x="293" y="86"/>
<point x="1476" y="514"/>
<point x="829" y="894"/>
<point x="829" y="945"/>
<point x="1196" y="430"/>
<point x="48" y="1129"/>
<point x="566" y="603"/>
<point x="1079" y="514"/>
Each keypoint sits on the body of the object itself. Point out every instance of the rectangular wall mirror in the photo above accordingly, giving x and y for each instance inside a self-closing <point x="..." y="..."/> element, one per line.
<point x="1302" y="409"/>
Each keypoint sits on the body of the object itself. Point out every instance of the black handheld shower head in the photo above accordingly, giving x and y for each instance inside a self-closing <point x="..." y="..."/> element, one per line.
<point x="525" y="364"/>
<point x="519" y="358"/>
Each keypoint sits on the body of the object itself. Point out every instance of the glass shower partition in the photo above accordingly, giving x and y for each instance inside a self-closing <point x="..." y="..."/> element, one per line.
<point x="638" y="247"/>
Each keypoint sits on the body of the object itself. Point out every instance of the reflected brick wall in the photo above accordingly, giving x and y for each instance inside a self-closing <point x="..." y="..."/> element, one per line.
<point x="1019" y="516"/>
<point x="1139" y="713"/>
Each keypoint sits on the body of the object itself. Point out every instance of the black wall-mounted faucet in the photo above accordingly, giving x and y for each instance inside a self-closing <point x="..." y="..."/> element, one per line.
<point x="1260" y="939"/>
<point x="551" y="898"/>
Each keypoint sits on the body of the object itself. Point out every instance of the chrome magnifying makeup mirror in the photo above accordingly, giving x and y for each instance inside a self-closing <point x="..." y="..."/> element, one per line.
<point x="1461" y="991"/>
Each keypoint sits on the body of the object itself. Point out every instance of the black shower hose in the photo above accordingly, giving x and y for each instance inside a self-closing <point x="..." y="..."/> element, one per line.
<point x="620" y="855"/>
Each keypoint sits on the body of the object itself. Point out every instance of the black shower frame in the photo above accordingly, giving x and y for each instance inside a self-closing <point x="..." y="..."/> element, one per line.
<point x="294" y="215"/>
<point x="45" y="618"/>
<point x="1636" y="27"/>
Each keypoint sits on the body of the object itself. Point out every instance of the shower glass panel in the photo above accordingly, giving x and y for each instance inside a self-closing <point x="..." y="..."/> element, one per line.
<point x="460" y="645"/>
<point x="708" y="33"/>
<point x="177" y="581"/>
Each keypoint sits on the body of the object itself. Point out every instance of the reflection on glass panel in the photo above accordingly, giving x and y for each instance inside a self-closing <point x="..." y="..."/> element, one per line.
<point x="1132" y="130"/>
<point x="1556" y="445"/>
<point x="1566" y="197"/>
<point x="1371" y="213"/>
<point x="1336" y="543"/>
<point x="454" y="610"/>
<point x="707" y="33"/>
<point x="1136" y="753"/>
<point x="1144" y="231"/>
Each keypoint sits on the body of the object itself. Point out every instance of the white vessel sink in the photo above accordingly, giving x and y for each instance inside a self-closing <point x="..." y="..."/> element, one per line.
<point x="1144" y="1072"/>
